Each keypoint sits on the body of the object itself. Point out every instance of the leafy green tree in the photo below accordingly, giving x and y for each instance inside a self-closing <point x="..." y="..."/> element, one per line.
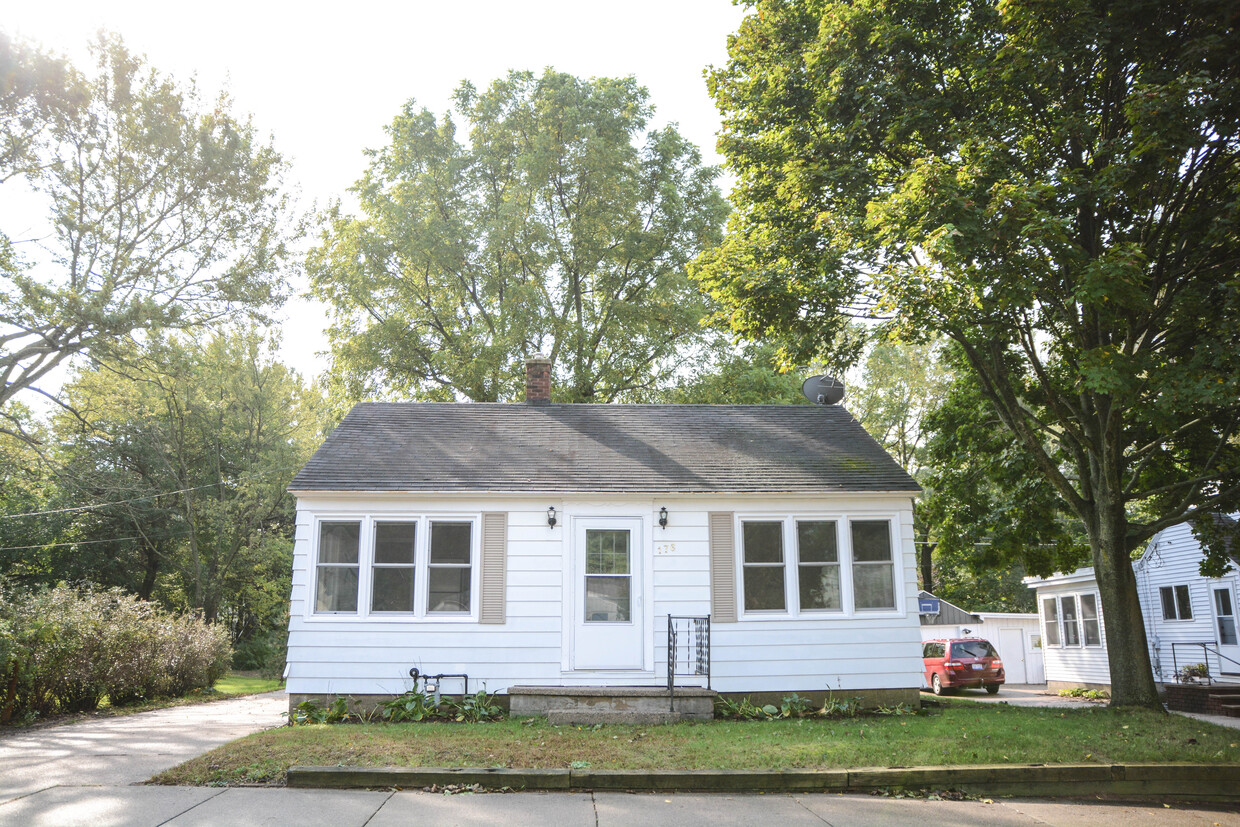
<point x="164" y="211"/>
<point x="1053" y="186"/>
<point x="550" y="230"/>
<point x="748" y="375"/>
<point x="190" y="462"/>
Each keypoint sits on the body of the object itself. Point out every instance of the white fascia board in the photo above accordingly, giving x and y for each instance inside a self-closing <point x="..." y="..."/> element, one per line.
<point x="1081" y="575"/>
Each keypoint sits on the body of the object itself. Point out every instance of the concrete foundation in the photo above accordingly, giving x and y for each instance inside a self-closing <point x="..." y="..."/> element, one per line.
<point x="612" y="704"/>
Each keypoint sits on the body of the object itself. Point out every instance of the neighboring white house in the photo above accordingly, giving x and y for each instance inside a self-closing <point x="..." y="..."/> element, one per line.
<point x="547" y="544"/>
<point x="1073" y="631"/>
<point x="1182" y="610"/>
<point x="1017" y="636"/>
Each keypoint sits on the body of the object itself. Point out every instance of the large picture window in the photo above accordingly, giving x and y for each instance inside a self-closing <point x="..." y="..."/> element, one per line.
<point x="794" y="566"/>
<point x="412" y="566"/>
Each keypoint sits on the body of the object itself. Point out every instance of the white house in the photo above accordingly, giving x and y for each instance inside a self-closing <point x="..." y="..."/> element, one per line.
<point x="1016" y="635"/>
<point x="1189" y="618"/>
<point x="547" y="545"/>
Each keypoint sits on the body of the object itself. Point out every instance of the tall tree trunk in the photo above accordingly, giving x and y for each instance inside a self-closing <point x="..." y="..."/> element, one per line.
<point x="925" y="555"/>
<point x="1128" y="654"/>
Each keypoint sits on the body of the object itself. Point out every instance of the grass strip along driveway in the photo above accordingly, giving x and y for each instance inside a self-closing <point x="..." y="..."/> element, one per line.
<point x="953" y="735"/>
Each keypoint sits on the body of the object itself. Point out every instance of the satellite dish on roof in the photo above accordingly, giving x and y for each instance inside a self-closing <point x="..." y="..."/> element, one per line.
<point x="823" y="390"/>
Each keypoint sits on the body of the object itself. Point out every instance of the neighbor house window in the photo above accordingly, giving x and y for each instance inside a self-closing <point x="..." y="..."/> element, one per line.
<point x="1071" y="631"/>
<point x="818" y="565"/>
<point x="1175" y="603"/>
<point x="1050" y="620"/>
<point x="337" y="576"/>
<point x="872" y="566"/>
<point x="392" y="577"/>
<point x="764" y="566"/>
<point x="1091" y="628"/>
<point x="450" y="568"/>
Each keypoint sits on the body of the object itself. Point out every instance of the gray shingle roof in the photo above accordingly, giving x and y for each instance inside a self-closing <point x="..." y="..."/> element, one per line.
<point x="600" y="448"/>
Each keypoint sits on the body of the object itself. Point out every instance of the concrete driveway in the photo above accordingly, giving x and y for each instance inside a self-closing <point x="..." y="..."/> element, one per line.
<point x="1017" y="694"/>
<point x="127" y="749"/>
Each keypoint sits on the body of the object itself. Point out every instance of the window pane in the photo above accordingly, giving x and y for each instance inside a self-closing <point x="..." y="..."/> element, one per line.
<point x="1069" y="609"/>
<point x="1089" y="620"/>
<point x="1050" y="613"/>
<point x="1071" y="632"/>
<point x="764" y="543"/>
<point x="449" y="589"/>
<point x="392" y="590"/>
<point x="1222" y="599"/>
<point x="872" y="587"/>
<point x="1168" y="603"/>
<point x="607" y="551"/>
<point x="764" y="588"/>
<point x="1185" y="605"/>
<point x="336" y="589"/>
<point x="607" y="599"/>
<point x="973" y="649"/>
<point x="394" y="542"/>
<point x="450" y="542"/>
<point x="816" y="542"/>
<point x="338" y="542"/>
<point x="820" y="587"/>
<point x="871" y="540"/>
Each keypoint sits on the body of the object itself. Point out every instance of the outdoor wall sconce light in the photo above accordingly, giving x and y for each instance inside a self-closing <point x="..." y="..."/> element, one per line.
<point x="663" y="517"/>
<point x="551" y="517"/>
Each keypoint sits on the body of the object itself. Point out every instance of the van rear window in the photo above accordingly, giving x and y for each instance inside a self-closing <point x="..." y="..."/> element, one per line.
<point x="973" y="649"/>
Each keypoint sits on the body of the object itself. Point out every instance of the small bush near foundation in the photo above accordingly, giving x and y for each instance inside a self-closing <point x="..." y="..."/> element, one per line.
<point x="69" y="648"/>
<point x="412" y="707"/>
<point x="792" y="706"/>
<point x="1087" y="694"/>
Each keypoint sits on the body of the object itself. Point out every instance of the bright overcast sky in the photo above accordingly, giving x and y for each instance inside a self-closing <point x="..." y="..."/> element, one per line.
<point x="323" y="79"/>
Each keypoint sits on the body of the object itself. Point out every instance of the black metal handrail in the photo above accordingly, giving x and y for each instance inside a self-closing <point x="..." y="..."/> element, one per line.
<point x="690" y="636"/>
<point x="1208" y="647"/>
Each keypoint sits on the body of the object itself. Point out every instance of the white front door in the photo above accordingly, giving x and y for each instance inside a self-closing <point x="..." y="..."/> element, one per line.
<point x="1225" y="629"/>
<point x="608" y="593"/>
<point x="1012" y="650"/>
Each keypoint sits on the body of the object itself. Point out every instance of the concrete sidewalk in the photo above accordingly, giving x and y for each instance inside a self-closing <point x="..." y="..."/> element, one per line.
<point x="186" y="806"/>
<point x="128" y="749"/>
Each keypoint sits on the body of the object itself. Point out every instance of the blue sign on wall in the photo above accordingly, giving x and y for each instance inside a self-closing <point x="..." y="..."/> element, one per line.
<point x="928" y="605"/>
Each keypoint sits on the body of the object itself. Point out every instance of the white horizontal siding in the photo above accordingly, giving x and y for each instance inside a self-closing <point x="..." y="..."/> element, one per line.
<point x="809" y="653"/>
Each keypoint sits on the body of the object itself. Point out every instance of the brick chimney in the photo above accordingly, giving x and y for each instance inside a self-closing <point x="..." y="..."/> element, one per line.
<point x="538" y="380"/>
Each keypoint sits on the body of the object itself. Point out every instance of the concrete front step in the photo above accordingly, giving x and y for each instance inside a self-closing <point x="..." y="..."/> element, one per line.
<point x="1231" y="710"/>
<point x="612" y="704"/>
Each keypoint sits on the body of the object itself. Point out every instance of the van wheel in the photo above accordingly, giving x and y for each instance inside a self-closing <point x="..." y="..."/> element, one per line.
<point x="936" y="685"/>
<point x="992" y="688"/>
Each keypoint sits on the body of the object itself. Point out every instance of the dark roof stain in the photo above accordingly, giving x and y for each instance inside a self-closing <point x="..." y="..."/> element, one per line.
<point x="468" y="447"/>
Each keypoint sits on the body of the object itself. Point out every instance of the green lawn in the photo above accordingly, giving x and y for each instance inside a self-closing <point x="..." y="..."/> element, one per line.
<point x="244" y="685"/>
<point x="954" y="734"/>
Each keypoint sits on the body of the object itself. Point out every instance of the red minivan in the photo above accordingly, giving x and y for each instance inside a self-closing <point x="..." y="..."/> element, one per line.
<point x="970" y="662"/>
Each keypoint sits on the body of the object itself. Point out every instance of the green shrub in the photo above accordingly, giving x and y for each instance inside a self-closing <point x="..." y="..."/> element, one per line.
<point x="70" y="647"/>
<point x="265" y="654"/>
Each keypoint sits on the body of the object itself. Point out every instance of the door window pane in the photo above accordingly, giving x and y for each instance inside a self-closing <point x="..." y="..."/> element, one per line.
<point x="607" y="552"/>
<point x="607" y="599"/>
<point x="337" y="575"/>
<point x="449" y="571"/>
<point x="873" y="571"/>
<point x="1226" y="617"/>
<point x="764" y="566"/>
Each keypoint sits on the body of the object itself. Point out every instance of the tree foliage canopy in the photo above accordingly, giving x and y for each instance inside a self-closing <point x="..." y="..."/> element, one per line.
<point x="1055" y="186"/>
<point x="546" y="230"/>
<point x="164" y="211"/>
